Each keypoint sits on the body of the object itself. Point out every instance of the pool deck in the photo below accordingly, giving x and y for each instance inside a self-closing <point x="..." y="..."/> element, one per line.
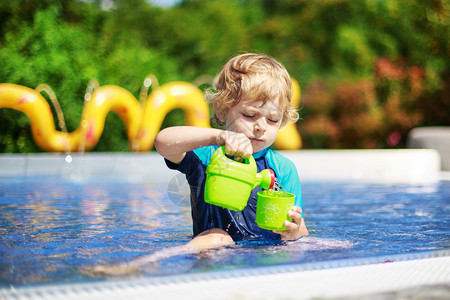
<point x="389" y="277"/>
<point x="392" y="166"/>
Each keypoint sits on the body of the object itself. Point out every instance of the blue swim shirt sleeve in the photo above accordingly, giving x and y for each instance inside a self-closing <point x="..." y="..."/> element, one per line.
<point x="287" y="174"/>
<point x="205" y="153"/>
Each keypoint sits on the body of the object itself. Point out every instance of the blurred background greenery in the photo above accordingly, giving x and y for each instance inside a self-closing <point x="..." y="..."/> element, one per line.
<point x="370" y="70"/>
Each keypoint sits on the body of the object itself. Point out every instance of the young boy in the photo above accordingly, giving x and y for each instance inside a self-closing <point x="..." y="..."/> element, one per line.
<point x="252" y="100"/>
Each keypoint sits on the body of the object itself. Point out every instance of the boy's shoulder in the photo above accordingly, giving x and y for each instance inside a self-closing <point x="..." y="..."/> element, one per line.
<point x="205" y="153"/>
<point x="283" y="167"/>
<point x="278" y="158"/>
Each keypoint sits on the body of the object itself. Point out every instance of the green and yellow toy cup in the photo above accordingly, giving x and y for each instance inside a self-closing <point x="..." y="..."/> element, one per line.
<point x="229" y="182"/>
<point x="272" y="209"/>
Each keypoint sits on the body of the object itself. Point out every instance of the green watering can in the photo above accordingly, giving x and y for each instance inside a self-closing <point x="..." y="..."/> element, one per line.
<point x="230" y="182"/>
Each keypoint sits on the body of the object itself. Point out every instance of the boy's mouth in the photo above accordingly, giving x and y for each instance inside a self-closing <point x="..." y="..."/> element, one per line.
<point x="256" y="140"/>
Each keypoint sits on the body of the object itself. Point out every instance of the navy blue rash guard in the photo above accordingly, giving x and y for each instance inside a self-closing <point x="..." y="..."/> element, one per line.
<point x="238" y="224"/>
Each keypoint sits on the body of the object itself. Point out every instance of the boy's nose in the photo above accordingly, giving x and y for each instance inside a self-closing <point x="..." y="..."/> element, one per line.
<point x="260" y="125"/>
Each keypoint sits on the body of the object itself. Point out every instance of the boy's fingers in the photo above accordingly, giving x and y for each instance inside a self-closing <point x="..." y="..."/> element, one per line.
<point x="238" y="145"/>
<point x="296" y="214"/>
<point x="297" y="209"/>
<point x="290" y="225"/>
<point x="296" y="217"/>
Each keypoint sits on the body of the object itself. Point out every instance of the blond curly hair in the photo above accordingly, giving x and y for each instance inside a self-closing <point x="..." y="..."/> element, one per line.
<point x="251" y="78"/>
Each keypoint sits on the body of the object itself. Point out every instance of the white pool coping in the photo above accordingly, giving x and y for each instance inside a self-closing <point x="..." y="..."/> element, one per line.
<point x="387" y="166"/>
<point x="280" y="282"/>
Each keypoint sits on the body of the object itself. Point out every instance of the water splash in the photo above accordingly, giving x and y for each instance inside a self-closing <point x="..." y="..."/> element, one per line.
<point x="149" y="81"/>
<point x="59" y="113"/>
<point x="277" y="186"/>
<point x="68" y="158"/>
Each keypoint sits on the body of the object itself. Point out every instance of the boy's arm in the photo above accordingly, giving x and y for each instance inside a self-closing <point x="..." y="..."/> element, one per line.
<point x="173" y="142"/>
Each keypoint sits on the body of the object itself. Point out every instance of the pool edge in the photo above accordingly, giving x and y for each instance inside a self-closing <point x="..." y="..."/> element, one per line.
<point x="327" y="280"/>
<point x="385" y="166"/>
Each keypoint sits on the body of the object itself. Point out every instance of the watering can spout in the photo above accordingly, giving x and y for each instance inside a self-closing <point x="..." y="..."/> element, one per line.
<point x="266" y="179"/>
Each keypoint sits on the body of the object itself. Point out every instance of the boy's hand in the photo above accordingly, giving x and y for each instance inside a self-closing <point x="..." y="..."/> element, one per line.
<point x="296" y="228"/>
<point x="236" y="144"/>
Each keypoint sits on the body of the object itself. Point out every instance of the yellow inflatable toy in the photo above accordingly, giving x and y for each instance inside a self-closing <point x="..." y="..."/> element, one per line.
<point x="164" y="99"/>
<point x="288" y="137"/>
<point x="142" y="123"/>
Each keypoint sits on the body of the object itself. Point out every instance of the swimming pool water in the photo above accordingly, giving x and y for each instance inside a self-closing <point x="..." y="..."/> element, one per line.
<point x="53" y="230"/>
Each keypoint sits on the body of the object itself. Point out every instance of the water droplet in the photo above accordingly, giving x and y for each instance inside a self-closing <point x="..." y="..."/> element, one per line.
<point x="228" y="227"/>
<point x="147" y="82"/>
<point x="277" y="187"/>
<point x="68" y="158"/>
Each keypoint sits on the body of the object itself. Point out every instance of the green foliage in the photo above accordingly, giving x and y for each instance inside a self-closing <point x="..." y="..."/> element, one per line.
<point x="66" y="57"/>
<point x="45" y="51"/>
<point x="369" y="70"/>
<point x="372" y="112"/>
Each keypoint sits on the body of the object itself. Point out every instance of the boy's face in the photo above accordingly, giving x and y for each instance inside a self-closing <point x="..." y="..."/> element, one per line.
<point x="260" y="123"/>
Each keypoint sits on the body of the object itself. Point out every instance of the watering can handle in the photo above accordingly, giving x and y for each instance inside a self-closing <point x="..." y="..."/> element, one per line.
<point x="240" y="160"/>
<point x="265" y="178"/>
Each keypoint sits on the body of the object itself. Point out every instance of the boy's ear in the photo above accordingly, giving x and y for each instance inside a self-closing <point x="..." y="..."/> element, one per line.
<point x="221" y="116"/>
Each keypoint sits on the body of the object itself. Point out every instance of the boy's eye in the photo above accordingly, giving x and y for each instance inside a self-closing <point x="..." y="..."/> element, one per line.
<point x="273" y="120"/>
<point x="248" y="115"/>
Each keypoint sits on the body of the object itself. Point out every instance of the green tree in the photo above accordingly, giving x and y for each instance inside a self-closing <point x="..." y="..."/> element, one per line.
<point x="334" y="48"/>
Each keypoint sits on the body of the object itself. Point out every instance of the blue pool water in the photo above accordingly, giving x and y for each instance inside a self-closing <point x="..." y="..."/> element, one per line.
<point x="54" y="231"/>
